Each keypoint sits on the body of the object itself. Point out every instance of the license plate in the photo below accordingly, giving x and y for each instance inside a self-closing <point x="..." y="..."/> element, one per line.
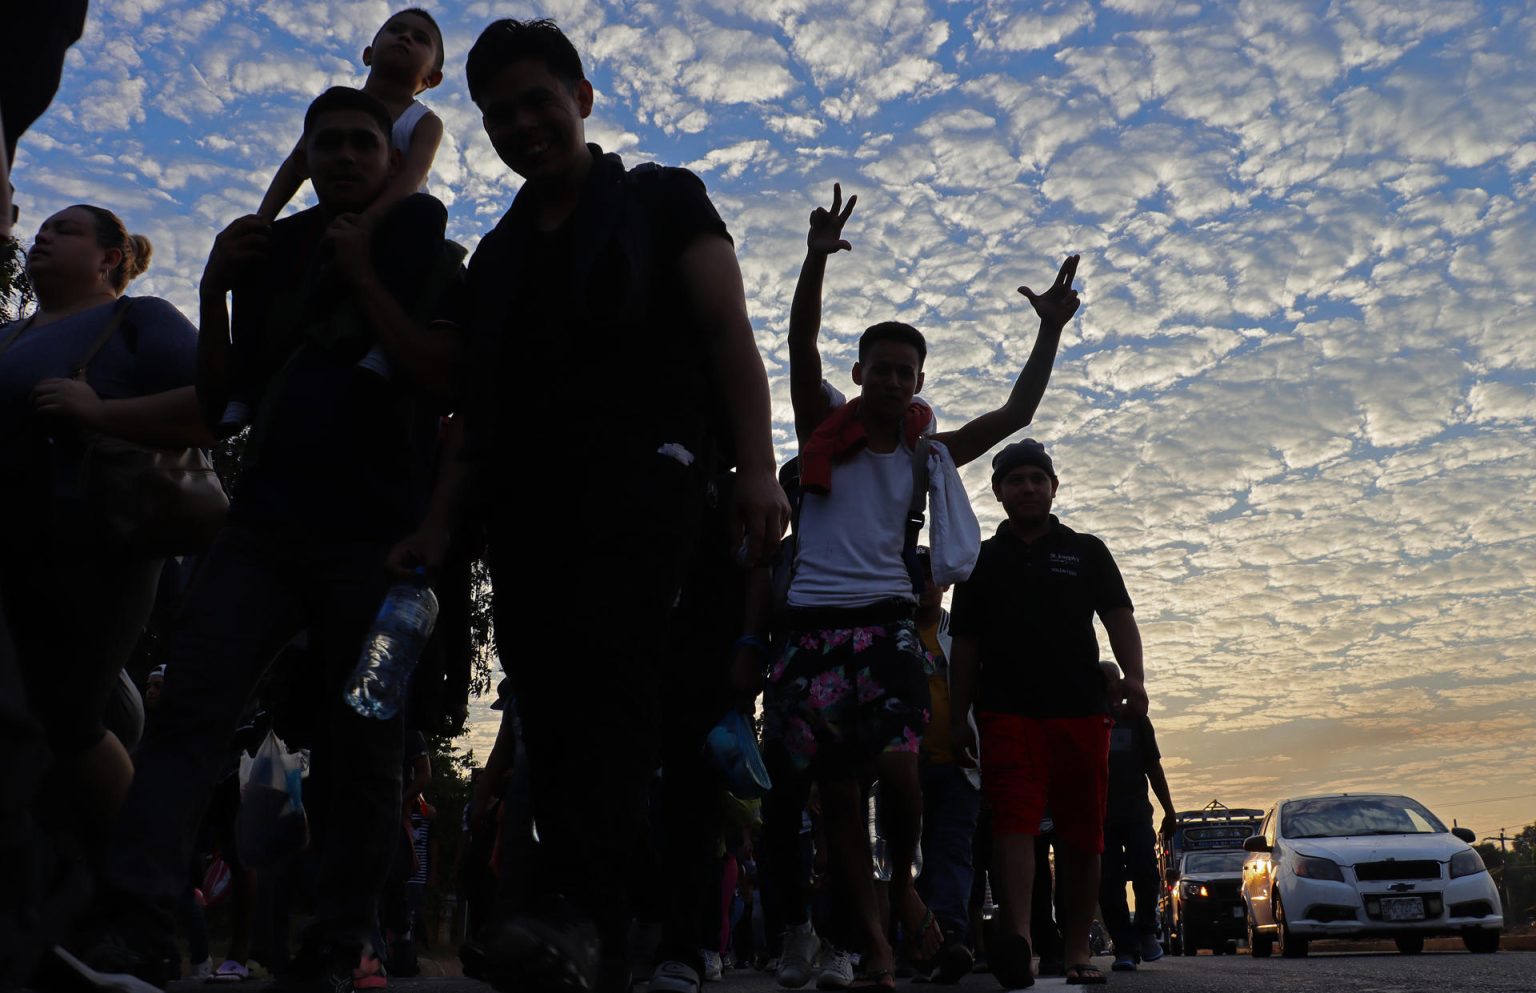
<point x="1403" y="908"/>
<point x="1237" y="912"/>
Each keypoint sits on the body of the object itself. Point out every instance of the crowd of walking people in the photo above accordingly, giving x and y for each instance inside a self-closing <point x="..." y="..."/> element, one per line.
<point x="584" y="405"/>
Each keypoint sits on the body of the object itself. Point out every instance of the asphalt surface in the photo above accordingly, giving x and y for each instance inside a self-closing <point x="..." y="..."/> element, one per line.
<point x="1368" y="972"/>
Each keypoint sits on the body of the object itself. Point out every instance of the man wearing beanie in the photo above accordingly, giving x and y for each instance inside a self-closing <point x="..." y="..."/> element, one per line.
<point x="1026" y="655"/>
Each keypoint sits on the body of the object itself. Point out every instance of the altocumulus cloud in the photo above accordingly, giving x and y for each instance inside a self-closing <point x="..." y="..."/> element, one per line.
<point x="1297" y="403"/>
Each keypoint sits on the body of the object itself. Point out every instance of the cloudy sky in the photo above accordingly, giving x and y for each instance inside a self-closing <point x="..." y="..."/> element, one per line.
<point x="1298" y="401"/>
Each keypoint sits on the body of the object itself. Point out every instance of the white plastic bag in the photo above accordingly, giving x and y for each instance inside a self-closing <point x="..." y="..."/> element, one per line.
<point x="954" y="534"/>
<point x="271" y="826"/>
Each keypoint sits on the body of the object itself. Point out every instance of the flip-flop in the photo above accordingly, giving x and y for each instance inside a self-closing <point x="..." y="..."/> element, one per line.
<point x="875" y="979"/>
<point x="919" y="937"/>
<point x="1084" y="974"/>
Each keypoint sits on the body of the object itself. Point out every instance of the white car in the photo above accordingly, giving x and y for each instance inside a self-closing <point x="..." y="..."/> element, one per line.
<point x="1350" y="865"/>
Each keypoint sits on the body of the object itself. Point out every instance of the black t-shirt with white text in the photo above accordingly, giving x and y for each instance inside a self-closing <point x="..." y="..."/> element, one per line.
<point x="1030" y="606"/>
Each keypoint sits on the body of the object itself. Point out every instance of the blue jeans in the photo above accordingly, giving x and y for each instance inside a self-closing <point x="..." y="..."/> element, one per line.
<point x="950" y="808"/>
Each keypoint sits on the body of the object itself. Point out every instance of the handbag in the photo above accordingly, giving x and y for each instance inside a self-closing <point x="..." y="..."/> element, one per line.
<point x="114" y="493"/>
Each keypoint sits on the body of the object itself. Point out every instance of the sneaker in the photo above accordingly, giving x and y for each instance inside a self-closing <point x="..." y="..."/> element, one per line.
<point x="533" y="953"/>
<point x="1151" y="948"/>
<point x="369" y="973"/>
<point x="202" y="970"/>
<point x="1124" y="963"/>
<point x="674" y="977"/>
<point x="836" y="969"/>
<point x="714" y="968"/>
<point x="795" y="962"/>
<point x="229" y="972"/>
<point x="954" y="963"/>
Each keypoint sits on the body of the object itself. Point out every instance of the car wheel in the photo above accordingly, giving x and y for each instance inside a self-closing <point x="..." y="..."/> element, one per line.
<point x="1291" y="946"/>
<point x="1259" y="945"/>
<point x="1411" y="945"/>
<point x="1483" y="941"/>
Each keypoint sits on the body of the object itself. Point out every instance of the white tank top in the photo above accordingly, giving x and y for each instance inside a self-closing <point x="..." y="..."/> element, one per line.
<point x="850" y="540"/>
<point x="405" y="126"/>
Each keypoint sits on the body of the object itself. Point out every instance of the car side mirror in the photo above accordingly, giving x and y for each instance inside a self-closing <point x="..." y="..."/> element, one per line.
<point x="1173" y="875"/>
<point x="1465" y="834"/>
<point x="1256" y="843"/>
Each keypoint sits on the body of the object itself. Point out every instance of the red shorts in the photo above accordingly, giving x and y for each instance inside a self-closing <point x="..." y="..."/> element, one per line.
<point x="1034" y="765"/>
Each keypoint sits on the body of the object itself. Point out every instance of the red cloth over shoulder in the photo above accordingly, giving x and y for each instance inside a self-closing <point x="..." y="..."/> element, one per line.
<point x="842" y="434"/>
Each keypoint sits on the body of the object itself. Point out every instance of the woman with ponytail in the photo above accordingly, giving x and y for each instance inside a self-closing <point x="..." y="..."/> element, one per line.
<point x="75" y="609"/>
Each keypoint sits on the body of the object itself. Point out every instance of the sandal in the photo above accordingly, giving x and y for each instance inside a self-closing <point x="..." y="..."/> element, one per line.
<point x="1084" y="975"/>
<point x="926" y="940"/>
<point x="874" y="979"/>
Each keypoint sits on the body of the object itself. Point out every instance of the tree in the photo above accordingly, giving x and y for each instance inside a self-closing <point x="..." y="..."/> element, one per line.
<point x="16" y="296"/>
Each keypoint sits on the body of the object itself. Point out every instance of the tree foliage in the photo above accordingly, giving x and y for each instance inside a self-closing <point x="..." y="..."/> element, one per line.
<point x="16" y="296"/>
<point x="1513" y="866"/>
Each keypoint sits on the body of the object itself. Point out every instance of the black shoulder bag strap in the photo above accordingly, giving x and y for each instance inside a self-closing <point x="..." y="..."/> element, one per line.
<point x="119" y="314"/>
<point x="916" y="515"/>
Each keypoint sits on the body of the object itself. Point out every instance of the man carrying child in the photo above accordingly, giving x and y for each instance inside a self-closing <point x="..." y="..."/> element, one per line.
<point x="335" y="470"/>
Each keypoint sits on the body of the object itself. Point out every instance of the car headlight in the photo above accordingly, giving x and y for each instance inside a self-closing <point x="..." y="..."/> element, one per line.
<point x="1467" y="863"/>
<point x="1193" y="889"/>
<point x="1316" y="868"/>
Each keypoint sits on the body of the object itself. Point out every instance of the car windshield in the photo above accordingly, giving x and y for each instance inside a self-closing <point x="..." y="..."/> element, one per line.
<point x="1341" y="816"/>
<point x="1214" y="862"/>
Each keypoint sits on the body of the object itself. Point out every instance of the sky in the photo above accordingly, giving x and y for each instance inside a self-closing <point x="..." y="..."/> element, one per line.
<point x="1298" y="401"/>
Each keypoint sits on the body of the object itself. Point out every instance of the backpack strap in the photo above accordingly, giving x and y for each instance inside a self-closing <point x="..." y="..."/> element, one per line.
<point x="916" y="514"/>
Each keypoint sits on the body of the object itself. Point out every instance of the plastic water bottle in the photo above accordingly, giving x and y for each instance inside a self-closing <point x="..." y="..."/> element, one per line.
<point x="392" y="648"/>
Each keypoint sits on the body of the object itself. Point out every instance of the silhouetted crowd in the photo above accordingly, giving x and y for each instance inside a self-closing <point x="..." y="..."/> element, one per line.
<point x="738" y="724"/>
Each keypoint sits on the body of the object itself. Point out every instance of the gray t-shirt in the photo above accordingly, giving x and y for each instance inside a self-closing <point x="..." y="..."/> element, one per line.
<point x="154" y="350"/>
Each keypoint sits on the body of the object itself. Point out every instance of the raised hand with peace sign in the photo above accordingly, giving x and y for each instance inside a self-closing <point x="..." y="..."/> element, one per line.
<point x="1057" y="304"/>
<point x="826" y="234"/>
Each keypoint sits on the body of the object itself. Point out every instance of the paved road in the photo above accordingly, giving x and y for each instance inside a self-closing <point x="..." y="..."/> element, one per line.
<point x="1383" y="972"/>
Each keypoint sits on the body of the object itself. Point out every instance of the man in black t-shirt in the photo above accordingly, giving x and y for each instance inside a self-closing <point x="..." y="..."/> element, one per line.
<point x="334" y="477"/>
<point x="1026" y="654"/>
<point x="615" y="375"/>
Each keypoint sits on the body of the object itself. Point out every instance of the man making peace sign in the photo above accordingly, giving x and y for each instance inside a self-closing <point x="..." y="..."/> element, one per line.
<point x="848" y="698"/>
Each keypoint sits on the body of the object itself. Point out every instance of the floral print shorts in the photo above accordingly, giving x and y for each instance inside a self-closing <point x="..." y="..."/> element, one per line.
<point x="839" y="697"/>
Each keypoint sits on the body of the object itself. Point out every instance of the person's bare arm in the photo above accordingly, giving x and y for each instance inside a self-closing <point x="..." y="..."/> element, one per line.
<point x="824" y="238"/>
<point x="428" y="355"/>
<point x="427" y="548"/>
<point x="240" y="245"/>
<point x="1055" y="307"/>
<point x="414" y="167"/>
<point x="285" y="184"/>
<point x="759" y="512"/>
<point x="421" y="778"/>
<point x="1159" y="781"/>
<point x="964" y="659"/>
<point x="1125" y="642"/>
<point x="489" y="782"/>
<point x="171" y="419"/>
